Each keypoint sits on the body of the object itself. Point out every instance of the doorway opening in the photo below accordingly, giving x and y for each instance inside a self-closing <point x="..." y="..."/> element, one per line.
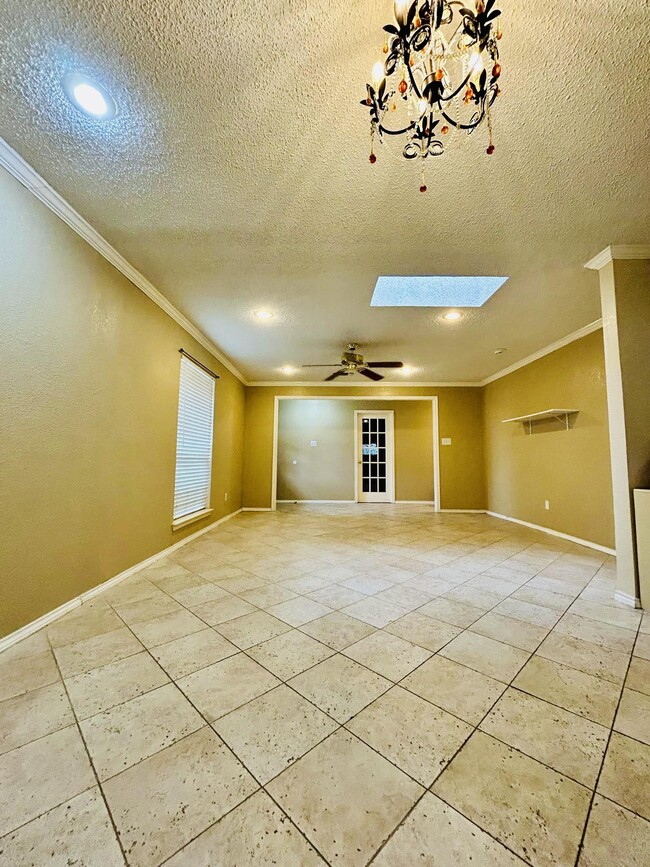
<point x="374" y="456"/>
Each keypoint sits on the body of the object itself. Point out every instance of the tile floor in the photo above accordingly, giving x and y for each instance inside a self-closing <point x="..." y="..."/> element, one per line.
<point x="336" y="685"/>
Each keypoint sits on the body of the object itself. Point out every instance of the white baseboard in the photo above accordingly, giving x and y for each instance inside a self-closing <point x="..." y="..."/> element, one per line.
<point x="317" y="502"/>
<point x="256" y="509"/>
<point x="45" y="619"/>
<point x="465" y="511"/>
<point x="417" y="502"/>
<point x="585" y="542"/>
<point x="627" y="599"/>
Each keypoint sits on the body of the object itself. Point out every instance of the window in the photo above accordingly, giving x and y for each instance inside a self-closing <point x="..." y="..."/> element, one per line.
<point x="193" y="441"/>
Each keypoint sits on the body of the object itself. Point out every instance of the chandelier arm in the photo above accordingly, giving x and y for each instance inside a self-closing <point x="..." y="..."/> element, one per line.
<point x="464" y="125"/>
<point x="413" y="83"/>
<point x="411" y="126"/>
<point x="458" y="89"/>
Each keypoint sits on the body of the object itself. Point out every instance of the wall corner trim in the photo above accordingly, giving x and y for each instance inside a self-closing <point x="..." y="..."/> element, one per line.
<point x="618" y="251"/>
<point x="627" y="599"/>
<point x="45" y="619"/>
<point x="585" y="542"/>
<point x="38" y="187"/>
<point x="552" y="347"/>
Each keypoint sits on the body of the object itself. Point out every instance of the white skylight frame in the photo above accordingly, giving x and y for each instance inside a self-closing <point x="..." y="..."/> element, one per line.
<point x="434" y="290"/>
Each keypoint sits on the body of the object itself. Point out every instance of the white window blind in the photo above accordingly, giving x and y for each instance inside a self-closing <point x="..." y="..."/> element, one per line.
<point x="193" y="441"/>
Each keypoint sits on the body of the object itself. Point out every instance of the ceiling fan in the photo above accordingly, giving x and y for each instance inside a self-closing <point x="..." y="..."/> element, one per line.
<point x="352" y="362"/>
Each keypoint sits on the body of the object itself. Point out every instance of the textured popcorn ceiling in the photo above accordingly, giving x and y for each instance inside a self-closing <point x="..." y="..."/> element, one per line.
<point x="236" y="176"/>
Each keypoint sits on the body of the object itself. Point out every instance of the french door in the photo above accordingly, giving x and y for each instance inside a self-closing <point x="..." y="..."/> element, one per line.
<point x="375" y="468"/>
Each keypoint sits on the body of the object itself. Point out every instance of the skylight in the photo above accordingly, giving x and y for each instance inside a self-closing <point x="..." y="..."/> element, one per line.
<point x="434" y="291"/>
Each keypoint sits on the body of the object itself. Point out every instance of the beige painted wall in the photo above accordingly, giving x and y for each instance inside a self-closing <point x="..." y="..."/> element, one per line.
<point x="327" y="471"/>
<point x="89" y="396"/>
<point x="571" y="468"/>
<point x="460" y="413"/>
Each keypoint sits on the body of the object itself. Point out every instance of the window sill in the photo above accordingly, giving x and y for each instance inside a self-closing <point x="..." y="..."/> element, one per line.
<point x="186" y="520"/>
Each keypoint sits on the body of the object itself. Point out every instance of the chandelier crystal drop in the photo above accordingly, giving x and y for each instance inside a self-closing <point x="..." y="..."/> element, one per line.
<point x="438" y="76"/>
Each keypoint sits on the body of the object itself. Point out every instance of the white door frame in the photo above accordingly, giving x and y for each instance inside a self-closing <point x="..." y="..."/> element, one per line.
<point x="434" y="427"/>
<point x="390" y="464"/>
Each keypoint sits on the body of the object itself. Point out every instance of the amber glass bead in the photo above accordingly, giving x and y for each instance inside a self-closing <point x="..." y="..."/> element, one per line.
<point x="372" y="158"/>
<point x="496" y="70"/>
<point x="490" y="150"/>
<point x="444" y="130"/>
<point x="423" y="188"/>
<point x="403" y="86"/>
<point x="368" y="101"/>
<point x="385" y="48"/>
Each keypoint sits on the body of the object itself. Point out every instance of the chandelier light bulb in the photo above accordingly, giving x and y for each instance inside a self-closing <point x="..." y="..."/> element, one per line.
<point x="423" y="105"/>
<point x="377" y="74"/>
<point x="401" y="11"/>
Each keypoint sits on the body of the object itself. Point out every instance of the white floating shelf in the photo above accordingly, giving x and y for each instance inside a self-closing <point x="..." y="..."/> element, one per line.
<point x="559" y="414"/>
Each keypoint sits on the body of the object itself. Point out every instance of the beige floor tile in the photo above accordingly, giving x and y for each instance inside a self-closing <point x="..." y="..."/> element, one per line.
<point x="566" y="742"/>
<point x="625" y="774"/>
<point x="545" y="598"/>
<point x="205" y="591"/>
<point x="252" y="629"/>
<point x="159" y="630"/>
<point x="609" y="826"/>
<point x="306" y="584"/>
<point x="642" y="646"/>
<point x="162" y="803"/>
<point x="126" y="734"/>
<point x="584" y="694"/>
<point x="82" y="656"/>
<point x="457" y="613"/>
<point x="221" y="610"/>
<point x="538" y="615"/>
<point x="89" y="619"/>
<point x="409" y="731"/>
<point x="41" y="775"/>
<point x="436" y="835"/>
<point x="102" y="688"/>
<point x="30" y="646"/>
<point x="241" y="583"/>
<point x="339" y="686"/>
<point x="30" y="672"/>
<point x="194" y="651"/>
<point x="585" y="656"/>
<point x="337" y="630"/>
<point x="256" y="834"/>
<point x="78" y="832"/>
<point x="638" y="677"/>
<point x="270" y="594"/>
<point x="290" y="653"/>
<point x="374" y="612"/>
<point x="387" y="654"/>
<point x="405" y="597"/>
<point x="423" y="630"/>
<point x="298" y="611"/>
<point x="633" y="717"/>
<point x="455" y="688"/>
<point x="613" y="637"/>
<point x="525" y="636"/>
<point x="219" y="688"/>
<point x="366" y="584"/>
<point x="492" y="584"/>
<point x="336" y="795"/>
<point x="494" y="658"/>
<point x="269" y="733"/>
<point x="32" y="715"/>
<point x="530" y="808"/>
<point x="148" y="609"/>
<point x="431" y="585"/>
<point x="625" y="617"/>
<point x="336" y="596"/>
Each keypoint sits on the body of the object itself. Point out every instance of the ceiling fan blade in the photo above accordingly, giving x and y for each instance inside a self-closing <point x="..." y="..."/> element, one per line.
<point x="335" y="364"/>
<point x="370" y="374"/>
<point x="385" y="364"/>
<point x="335" y="374"/>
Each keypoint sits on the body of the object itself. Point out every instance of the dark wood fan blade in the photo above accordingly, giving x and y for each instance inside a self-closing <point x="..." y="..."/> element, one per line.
<point x="371" y="374"/>
<point x="385" y="364"/>
<point x="336" y="364"/>
<point x="335" y="374"/>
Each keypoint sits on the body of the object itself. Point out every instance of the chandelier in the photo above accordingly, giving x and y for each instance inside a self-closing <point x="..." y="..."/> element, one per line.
<point x="439" y="77"/>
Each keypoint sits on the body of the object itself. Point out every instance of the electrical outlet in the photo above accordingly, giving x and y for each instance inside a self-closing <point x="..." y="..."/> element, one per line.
<point x="446" y="441"/>
<point x="225" y="497"/>
<point x="547" y="505"/>
<point x="313" y="443"/>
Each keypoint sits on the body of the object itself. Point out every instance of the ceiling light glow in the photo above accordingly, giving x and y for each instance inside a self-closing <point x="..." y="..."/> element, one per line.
<point x="288" y="369"/>
<point x="89" y="97"/>
<point x="263" y="315"/>
<point x="452" y="316"/>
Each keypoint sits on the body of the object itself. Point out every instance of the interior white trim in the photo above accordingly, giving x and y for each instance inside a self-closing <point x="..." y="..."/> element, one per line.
<point x="417" y="503"/>
<point x="317" y="502"/>
<point x="465" y="511"/>
<point x="392" y="384"/>
<point x="50" y="616"/>
<point x="585" y="542"/>
<point x="434" y="427"/>
<point x="627" y="599"/>
<point x="256" y="509"/>
<point x="618" y="251"/>
<point x="39" y="187"/>
<point x="552" y="347"/>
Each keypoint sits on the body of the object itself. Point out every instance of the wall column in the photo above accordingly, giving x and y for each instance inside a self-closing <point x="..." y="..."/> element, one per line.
<point x="624" y="273"/>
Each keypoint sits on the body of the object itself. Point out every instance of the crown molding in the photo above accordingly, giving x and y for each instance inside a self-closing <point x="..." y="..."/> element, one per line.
<point x="618" y="251"/>
<point x="29" y="178"/>
<point x="552" y="347"/>
<point x="322" y="384"/>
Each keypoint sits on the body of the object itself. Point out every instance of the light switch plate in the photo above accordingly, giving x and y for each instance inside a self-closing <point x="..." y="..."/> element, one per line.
<point x="313" y="444"/>
<point x="446" y="441"/>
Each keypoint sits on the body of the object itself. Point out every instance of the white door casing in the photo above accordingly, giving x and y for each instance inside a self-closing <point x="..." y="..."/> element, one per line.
<point x="374" y="440"/>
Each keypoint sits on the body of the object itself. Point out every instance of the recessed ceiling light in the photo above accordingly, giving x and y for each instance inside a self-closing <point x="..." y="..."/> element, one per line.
<point x="288" y="369"/>
<point x="452" y="316"/>
<point x="434" y="291"/>
<point x="89" y="97"/>
<point x="263" y="315"/>
<point x="500" y="351"/>
<point x="407" y="371"/>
